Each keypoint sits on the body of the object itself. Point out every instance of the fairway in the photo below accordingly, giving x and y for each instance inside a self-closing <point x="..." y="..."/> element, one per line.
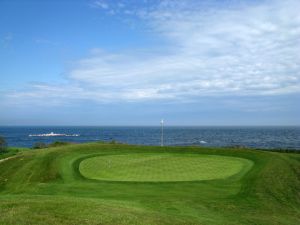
<point x="162" y="167"/>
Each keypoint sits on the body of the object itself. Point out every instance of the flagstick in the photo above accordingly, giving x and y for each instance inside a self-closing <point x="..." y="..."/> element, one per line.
<point x="162" y="133"/>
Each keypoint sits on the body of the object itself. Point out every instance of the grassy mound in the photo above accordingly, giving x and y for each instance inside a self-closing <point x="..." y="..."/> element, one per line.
<point x="47" y="187"/>
<point x="162" y="167"/>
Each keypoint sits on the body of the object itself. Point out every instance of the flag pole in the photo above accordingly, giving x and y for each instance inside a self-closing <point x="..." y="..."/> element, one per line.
<point x="162" y="133"/>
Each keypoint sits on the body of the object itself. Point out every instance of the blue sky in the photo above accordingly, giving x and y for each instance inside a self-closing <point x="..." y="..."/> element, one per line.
<point x="133" y="62"/>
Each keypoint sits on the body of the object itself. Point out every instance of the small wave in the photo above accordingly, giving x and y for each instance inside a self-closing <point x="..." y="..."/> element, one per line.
<point x="52" y="134"/>
<point x="203" y="142"/>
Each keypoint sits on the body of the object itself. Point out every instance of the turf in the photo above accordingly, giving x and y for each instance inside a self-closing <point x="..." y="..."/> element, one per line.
<point x="47" y="187"/>
<point x="162" y="167"/>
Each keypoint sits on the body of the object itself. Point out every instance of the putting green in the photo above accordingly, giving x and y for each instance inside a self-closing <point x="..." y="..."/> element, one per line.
<point x="162" y="167"/>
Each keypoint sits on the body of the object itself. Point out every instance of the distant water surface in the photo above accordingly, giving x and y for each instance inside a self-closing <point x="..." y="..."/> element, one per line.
<point x="255" y="137"/>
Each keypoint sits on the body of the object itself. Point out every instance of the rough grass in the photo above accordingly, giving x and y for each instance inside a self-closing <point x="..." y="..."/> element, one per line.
<point x="162" y="167"/>
<point x="46" y="187"/>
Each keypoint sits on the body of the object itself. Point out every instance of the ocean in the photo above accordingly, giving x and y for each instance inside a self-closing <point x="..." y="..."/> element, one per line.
<point x="225" y="136"/>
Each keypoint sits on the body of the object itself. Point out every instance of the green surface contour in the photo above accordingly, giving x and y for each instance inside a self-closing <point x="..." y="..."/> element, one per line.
<point x="162" y="167"/>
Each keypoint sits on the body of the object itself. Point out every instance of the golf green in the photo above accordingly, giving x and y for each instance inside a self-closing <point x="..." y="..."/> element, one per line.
<point x="162" y="167"/>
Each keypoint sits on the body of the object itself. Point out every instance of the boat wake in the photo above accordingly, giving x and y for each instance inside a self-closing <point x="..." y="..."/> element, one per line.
<point x="51" y="134"/>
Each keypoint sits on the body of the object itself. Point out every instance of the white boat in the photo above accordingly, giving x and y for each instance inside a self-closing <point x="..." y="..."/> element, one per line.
<point x="52" y="134"/>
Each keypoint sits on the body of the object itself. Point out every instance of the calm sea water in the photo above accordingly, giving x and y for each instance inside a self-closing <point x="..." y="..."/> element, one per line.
<point x="255" y="137"/>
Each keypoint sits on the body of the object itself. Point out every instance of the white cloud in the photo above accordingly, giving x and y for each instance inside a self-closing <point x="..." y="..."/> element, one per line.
<point x="6" y="40"/>
<point x="44" y="41"/>
<point x="100" y="4"/>
<point x="213" y="50"/>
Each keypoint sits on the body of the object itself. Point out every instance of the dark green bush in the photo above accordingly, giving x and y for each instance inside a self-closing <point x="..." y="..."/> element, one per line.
<point x="114" y="142"/>
<point x="39" y="145"/>
<point x="58" y="143"/>
<point x="239" y="146"/>
<point x="3" y="145"/>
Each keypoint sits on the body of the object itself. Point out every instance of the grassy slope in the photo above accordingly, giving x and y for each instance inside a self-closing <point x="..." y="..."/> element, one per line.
<point x="45" y="187"/>
<point x="11" y="151"/>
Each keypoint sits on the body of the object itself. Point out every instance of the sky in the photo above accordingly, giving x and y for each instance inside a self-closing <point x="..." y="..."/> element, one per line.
<point x="134" y="62"/>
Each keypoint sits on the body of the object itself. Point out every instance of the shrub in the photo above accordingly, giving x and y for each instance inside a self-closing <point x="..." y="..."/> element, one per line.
<point x="113" y="142"/>
<point x="58" y="143"/>
<point x="239" y="146"/>
<point x="3" y="145"/>
<point x="39" y="145"/>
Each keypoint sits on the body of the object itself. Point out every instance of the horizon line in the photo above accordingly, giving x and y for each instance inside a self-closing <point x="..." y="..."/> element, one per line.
<point x="158" y="125"/>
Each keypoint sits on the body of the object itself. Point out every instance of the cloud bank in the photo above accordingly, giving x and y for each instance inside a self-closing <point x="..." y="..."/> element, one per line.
<point x="212" y="49"/>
